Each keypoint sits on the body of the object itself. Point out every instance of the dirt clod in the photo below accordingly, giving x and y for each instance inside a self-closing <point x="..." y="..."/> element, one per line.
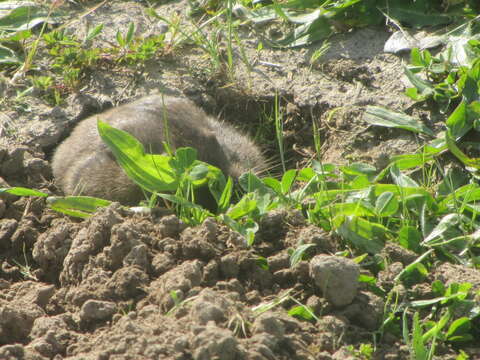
<point x="336" y="278"/>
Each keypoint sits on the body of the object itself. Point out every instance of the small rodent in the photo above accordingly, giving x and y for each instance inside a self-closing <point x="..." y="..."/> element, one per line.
<point x="83" y="164"/>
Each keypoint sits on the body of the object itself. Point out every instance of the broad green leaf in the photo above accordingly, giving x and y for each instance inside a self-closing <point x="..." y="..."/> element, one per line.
<point x="447" y="227"/>
<point x="418" y="345"/>
<point x="224" y="201"/>
<point x="455" y="150"/>
<point x="250" y="183"/>
<point x="383" y="117"/>
<point x="19" y="16"/>
<point x="217" y="184"/>
<point x="326" y="196"/>
<point x="246" y="228"/>
<point x="151" y="172"/>
<point x="274" y="184"/>
<point x="130" y="32"/>
<point x="77" y="206"/>
<point x="425" y="88"/>
<point x="453" y="180"/>
<point x="465" y="194"/>
<point x="21" y="191"/>
<point x="306" y="34"/>
<point x="347" y="209"/>
<point x="302" y="312"/>
<point x="386" y="204"/>
<point x="409" y="161"/>
<point x="457" y="122"/>
<point x="403" y="191"/>
<point x="244" y="207"/>
<point x="400" y="179"/>
<point x="199" y="172"/>
<point x="363" y="234"/>
<point x="359" y="169"/>
<point x="410" y="237"/>
<point x="8" y="56"/>
<point x="416" y="14"/>
<point x="93" y="33"/>
<point x="120" y="39"/>
<point x="458" y="329"/>
<point x="437" y="328"/>
<point x="297" y="254"/>
<point x="287" y="180"/>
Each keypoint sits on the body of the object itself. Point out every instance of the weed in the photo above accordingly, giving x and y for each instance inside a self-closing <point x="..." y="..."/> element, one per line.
<point x="26" y="269"/>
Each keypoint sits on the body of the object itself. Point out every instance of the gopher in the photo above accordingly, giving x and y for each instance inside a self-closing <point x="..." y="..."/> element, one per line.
<point x="84" y="165"/>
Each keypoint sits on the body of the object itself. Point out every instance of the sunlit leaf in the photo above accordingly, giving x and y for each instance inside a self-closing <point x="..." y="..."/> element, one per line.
<point x="383" y="117"/>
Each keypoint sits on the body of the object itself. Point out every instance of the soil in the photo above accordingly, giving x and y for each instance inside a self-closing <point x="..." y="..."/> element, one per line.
<point x="104" y="288"/>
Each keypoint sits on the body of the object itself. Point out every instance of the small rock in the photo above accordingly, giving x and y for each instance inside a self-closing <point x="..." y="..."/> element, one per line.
<point x="12" y="352"/>
<point x="7" y="228"/>
<point x="317" y="236"/>
<point x="209" y="306"/>
<point x="14" y="165"/>
<point x="16" y="320"/>
<point x="212" y="342"/>
<point x="138" y="256"/>
<point x="332" y="331"/>
<point x="171" y="226"/>
<point x="269" y="323"/>
<point x="127" y="283"/>
<point x="95" y="310"/>
<point x="228" y="266"/>
<point x="336" y="277"/>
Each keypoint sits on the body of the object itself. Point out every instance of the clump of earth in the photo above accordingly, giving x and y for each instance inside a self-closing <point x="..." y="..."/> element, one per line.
<point x="122" y="285"/>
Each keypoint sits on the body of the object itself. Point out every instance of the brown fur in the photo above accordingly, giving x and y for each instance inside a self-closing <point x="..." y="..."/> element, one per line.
<point x="84" y="165"/>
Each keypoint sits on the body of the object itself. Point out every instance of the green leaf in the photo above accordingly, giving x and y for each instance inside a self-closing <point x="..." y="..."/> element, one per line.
<point x="93" y="33"/>
<point x="425" y="88"/>
<point x="417" y="14"/>
<point x="297" y="254"/>
<point x="307" y="33"/>
<point x="120" y="39"/>
<point x="8" y="56"/>
<point x="400" y="179"/>
<point x="458" y="329"/>
<point x="130" y="32"/>
<point x="448" y="227"/>
<point x="348" y="209"/>
<point x="409" y="161"/>
<point x="359" y="169"/>
<point x="457" y="122"/>
<point x="250" y="183"/>
<point x="386" y="204"/>
<point x="150" y="171"/>
<point x="382" y="117"/>
<point x="23" y="15"/>
<point x="302" y="312"/>
<point x="364" y="235"/>
<point x="21" y="191"/>
<point x="77" y="206"/>
<point x="410" y="237"/>
<point x="455" y="150"/>
<point x="435" y="331"/>
<point x="273" y="184"/>
<point x="419" y="347"/>
<point x="287" y="180"/>
<point x="244" y="207"/>
<point x="224" y="201"/>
